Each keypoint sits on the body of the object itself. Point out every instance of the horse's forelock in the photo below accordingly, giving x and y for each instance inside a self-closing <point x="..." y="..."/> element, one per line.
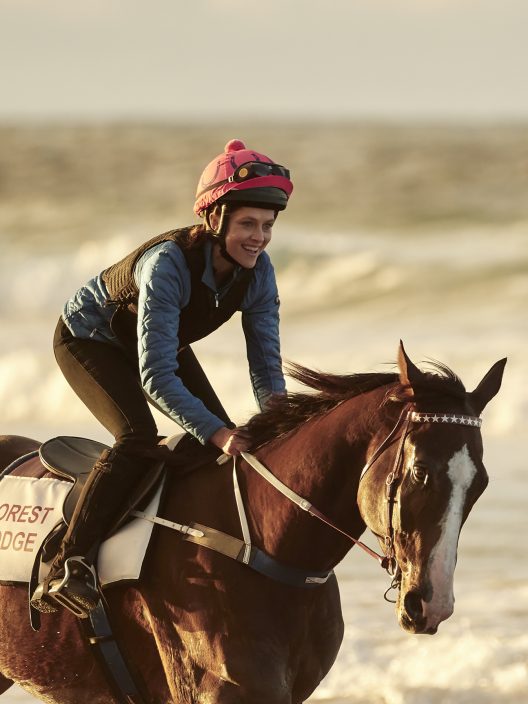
<point x="440" y="381"/>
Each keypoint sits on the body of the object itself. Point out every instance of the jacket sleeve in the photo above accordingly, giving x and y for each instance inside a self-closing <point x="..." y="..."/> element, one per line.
<point x="164" y="289"/>
<point x="260" y="322"/>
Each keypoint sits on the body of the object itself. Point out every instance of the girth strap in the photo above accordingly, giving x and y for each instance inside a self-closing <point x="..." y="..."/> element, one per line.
<point x="257" y="559"/>
<point x="247" y="554"/>
<point x="100" y="635"/>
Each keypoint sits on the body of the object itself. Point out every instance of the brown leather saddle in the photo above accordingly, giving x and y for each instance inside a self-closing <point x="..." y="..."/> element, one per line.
<point x="72" y="459"/>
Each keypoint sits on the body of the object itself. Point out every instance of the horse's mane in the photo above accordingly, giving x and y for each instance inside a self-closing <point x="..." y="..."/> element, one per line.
<point x="285" y="413"/>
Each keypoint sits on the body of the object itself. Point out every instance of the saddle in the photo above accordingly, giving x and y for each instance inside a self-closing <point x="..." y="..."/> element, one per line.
<point x="71" y="458"/>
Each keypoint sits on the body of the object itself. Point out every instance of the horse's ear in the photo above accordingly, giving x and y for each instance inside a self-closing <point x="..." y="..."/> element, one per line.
<point x="488" y="387"/>
<point x="409" y="372"/>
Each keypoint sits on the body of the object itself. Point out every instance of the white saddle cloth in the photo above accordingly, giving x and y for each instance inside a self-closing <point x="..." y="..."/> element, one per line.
<point x="31" y="508"/>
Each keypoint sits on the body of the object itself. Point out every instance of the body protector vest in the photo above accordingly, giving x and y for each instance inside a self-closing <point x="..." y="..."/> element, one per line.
<point x="204" y="313"/>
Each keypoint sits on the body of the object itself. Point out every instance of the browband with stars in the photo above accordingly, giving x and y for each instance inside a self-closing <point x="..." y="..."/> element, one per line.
<point x="473" y="421"/>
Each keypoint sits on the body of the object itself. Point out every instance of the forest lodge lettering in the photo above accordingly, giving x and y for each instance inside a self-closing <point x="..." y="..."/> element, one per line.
<point x="24" y="514"/>
<point x="15" y="537"/>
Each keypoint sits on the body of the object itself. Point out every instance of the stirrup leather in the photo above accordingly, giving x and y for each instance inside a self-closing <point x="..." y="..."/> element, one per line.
<point x="78" y="604"/>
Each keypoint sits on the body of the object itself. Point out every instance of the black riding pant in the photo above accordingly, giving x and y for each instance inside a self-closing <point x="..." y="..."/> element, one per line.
<point x="107" y="382"/>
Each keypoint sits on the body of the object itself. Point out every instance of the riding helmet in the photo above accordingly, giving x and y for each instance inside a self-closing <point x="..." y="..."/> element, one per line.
<point x="242" y="176"/>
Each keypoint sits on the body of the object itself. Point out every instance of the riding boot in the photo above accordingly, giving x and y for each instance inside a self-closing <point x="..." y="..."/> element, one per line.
<point x="104" y="500"/>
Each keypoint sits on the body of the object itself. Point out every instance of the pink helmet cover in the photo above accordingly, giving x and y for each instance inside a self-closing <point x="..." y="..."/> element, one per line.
<point x="223" y="166"/>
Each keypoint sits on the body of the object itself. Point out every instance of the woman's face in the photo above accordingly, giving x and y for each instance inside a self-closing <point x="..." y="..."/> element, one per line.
<point x="248" y="234"/>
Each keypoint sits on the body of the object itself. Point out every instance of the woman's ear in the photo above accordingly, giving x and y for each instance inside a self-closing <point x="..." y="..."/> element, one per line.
<point x="214" y="219"/>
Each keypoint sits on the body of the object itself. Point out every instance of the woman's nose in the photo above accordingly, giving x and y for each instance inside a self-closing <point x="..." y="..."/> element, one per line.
<point x="258" y="234"/>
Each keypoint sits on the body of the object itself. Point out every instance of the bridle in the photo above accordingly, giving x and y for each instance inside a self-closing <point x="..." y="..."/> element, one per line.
<point x="391" y="483"/>
<point x="406" y="419"/>
<point x="401" y="429"/>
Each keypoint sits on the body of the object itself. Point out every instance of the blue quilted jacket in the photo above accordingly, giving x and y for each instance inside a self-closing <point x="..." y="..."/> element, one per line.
<point x="164" y="285"/>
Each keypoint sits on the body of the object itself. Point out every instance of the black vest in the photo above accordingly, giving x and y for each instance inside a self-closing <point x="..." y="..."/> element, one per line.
<point x="204" y="313"/>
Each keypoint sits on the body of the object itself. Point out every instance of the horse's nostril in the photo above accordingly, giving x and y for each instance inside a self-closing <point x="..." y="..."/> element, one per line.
<point x="413" y="605"/>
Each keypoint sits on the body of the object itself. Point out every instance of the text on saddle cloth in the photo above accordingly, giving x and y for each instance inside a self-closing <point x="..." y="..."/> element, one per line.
<point x="29" y="510"/>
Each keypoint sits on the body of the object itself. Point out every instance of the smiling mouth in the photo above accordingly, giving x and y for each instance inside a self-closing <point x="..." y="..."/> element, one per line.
<point x="251" y="250"/>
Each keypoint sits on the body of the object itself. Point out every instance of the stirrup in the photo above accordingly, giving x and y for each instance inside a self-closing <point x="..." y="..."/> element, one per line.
<point x="76" y="593"/>
<point x="39" y="600"/>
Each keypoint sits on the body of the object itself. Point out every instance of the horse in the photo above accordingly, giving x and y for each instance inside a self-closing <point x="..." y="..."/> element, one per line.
<point x="399" y="453"/>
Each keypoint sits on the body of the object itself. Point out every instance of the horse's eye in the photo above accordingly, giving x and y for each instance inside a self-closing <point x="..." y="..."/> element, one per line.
<point x="419" y="473"/>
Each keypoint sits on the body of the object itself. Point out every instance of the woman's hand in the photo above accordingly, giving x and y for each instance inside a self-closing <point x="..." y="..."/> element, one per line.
<point x="232" y="441"/>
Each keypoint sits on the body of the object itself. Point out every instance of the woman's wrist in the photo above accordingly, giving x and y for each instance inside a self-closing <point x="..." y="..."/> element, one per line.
<point x="232" y="441"/>
<point x="220" y="437"/>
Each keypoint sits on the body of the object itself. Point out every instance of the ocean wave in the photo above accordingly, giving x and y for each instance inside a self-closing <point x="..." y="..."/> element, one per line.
<point x="462" y="668"/>
<point x="487" y="267"/>
<point x="347" y="299"/>
<point x="33" y="391"/>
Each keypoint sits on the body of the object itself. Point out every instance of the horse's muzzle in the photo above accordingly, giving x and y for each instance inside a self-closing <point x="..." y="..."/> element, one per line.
<point x="411" y="614"/>
<point x="415" y="614"/>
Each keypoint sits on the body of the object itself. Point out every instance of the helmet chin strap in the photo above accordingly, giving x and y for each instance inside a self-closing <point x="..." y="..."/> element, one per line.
<point x="225" y="253"/>
<point x="220" y="235"/>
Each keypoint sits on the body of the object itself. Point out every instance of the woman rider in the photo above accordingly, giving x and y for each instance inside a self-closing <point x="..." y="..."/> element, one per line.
<point x="124" y="338"/>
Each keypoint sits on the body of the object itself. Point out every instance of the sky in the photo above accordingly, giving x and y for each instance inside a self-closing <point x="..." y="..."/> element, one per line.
<point x="285" y="59"/>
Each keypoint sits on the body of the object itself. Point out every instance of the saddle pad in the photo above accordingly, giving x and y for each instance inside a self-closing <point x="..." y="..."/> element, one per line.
<point x="30" y="508"/>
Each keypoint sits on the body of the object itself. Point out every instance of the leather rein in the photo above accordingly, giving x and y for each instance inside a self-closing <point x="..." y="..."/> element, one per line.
<point x="405" y="422"/>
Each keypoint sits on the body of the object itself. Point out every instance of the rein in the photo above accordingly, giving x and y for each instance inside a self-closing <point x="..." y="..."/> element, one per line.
<point x="304" y="504"/>
<point x="387" y="561"/>
<point x="245" y="552"/>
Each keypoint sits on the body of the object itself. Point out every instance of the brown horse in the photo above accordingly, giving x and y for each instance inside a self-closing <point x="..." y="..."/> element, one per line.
<point x="202" y="628"/>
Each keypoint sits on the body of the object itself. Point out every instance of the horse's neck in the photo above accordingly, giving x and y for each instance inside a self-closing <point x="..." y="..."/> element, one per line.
<point x="322" y="462"/>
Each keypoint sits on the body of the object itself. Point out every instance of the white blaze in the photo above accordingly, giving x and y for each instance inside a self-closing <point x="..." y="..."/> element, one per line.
<point x="461" y="472"/>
